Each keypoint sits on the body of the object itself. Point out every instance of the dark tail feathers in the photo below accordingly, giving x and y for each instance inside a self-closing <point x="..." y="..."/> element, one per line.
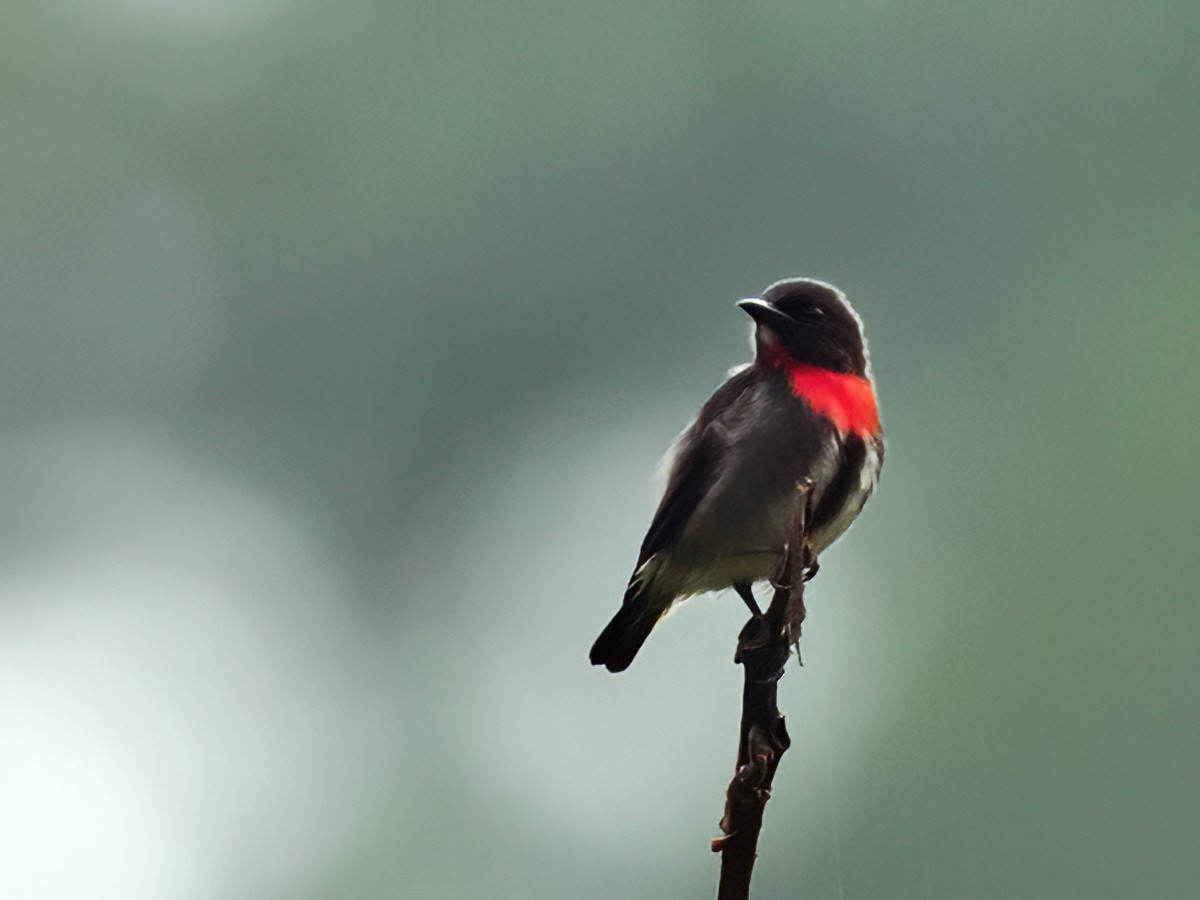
<point x="621" y="638"/>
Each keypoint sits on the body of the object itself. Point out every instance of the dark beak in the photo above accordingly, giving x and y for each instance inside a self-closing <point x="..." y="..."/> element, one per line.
<point x="765" y="313"/>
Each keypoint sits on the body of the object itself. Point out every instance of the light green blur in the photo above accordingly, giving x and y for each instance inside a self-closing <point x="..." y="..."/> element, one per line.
<point x="340" y="343"/>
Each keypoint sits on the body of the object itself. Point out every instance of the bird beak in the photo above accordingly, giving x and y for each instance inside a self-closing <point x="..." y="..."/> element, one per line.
<point x="765" y="313"/>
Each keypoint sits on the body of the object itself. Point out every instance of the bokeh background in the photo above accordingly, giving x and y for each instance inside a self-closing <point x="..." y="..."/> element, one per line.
<point x="339" y="345"/>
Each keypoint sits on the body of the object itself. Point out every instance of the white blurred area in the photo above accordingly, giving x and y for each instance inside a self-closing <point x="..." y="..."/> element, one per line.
<point x="182" y="691"/>
<point x="181" y="681"/>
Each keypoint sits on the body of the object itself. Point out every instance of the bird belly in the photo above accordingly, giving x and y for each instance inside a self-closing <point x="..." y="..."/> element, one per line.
<point x="737" y="535"/>
<point x="740" y="530"/>
<point x="682" y="578"/>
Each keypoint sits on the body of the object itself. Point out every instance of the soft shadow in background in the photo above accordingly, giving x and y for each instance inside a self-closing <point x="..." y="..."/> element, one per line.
<point x="339" y="347"/>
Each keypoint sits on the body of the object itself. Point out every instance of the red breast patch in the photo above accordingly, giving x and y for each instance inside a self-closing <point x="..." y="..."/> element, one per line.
<point x="845" y="400"/>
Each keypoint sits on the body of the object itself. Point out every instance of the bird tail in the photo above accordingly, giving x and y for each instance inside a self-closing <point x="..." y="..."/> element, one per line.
<point x="621" y="638"/>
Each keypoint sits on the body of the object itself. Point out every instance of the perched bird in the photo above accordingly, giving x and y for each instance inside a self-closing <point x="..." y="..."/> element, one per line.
<point x="803" y="409"/>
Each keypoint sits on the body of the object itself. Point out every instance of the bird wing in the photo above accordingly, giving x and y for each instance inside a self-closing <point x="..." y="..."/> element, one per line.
<point x="697" y="462"/>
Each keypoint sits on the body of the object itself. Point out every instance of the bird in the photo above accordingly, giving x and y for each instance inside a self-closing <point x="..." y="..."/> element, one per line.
<point x="803" y="409"/>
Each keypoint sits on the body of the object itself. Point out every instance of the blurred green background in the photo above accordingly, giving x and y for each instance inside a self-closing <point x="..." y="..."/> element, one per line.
<point x="339" y="346"/>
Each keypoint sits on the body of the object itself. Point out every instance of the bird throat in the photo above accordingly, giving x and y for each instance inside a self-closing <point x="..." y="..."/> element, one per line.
<point x="847" y="401"/>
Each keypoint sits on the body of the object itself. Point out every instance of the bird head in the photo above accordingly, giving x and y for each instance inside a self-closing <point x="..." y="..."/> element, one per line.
<point x="811" y="323"/>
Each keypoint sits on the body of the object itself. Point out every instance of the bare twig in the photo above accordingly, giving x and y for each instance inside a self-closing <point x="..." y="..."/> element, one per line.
<point x="763" y="647"/>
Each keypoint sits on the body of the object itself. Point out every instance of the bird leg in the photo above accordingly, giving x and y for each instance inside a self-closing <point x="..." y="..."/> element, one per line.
<point x="744" y="591"/>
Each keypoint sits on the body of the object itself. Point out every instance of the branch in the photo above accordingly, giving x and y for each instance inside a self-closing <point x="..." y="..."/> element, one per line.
<point x="763" y="647"/>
